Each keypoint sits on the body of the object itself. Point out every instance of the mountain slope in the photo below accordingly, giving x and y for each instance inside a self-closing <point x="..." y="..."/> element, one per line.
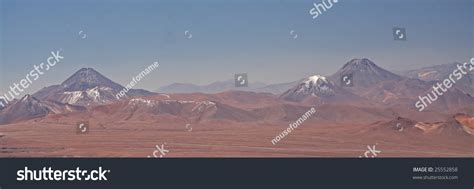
<point x="5" y="104"/>
<point x="381" y="86"/>
<point x="365" y="73"/>
<point x="86" y="87"/>
<point x="318" y="89"/>
<point x="457" y="125"/>
<point x="29" y="107"/>
<point x="153" y="109"/>
<point x="277" y="88"/>
<point x="466" y="122"/>
<point x="442" y="72"/>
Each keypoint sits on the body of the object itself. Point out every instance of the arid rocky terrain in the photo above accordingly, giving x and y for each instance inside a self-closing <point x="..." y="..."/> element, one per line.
<point x="377" y="110"/>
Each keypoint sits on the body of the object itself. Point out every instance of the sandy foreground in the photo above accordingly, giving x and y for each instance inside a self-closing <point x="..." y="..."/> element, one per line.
<point x="220" y="139"/>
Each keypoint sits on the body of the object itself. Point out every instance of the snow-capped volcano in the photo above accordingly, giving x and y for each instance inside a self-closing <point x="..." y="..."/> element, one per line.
<point x="317" y="85"/>
<point x="86" y="87"/>
<point x="313" y="86"/>
<point x="319" y="89"/>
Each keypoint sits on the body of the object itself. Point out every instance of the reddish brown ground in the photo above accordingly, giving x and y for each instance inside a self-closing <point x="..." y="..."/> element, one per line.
<point x="51" y="138"/>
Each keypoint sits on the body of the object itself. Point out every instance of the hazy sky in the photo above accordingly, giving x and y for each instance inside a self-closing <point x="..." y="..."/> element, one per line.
<point x="228" y="37"/>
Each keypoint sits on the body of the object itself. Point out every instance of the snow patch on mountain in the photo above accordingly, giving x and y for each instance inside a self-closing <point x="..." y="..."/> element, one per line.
<point x="315" y="85"/>
<point x="86" y="87"/>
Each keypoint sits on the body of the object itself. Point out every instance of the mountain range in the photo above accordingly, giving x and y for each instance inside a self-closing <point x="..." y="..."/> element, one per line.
<point x="84" y="88"/>
<point x="364" y="72"/>
<point x="376" y="108"/>
<point x="215" y="87"/>
<point x="221" y="86"/>
<point x="375" y="94"/>
<point x="441" y="72"/>
<point x="29" y="107"/>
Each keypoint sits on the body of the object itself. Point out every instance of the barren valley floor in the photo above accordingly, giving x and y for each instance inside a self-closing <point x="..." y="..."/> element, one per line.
<point x="221" y="139"/>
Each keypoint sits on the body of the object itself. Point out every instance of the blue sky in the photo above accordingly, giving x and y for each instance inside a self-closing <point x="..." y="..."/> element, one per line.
<point x="229" y="36"/>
